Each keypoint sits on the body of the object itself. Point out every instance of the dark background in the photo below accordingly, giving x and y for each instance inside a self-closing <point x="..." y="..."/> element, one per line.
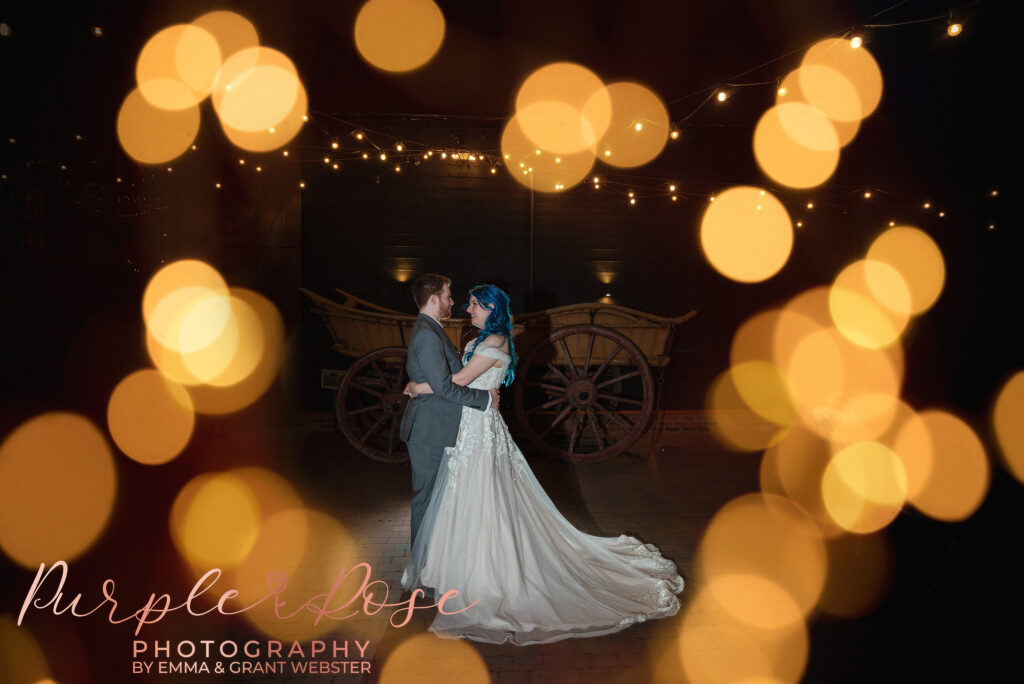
<point x="77" y="248"/>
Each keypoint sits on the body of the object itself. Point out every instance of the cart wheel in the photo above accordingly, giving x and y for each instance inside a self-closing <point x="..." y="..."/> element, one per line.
<point x="585" y="394"/>
<point x="369" y="404"/>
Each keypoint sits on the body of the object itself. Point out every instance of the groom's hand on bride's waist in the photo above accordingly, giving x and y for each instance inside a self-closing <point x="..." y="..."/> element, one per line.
<point x="495" y="396"/>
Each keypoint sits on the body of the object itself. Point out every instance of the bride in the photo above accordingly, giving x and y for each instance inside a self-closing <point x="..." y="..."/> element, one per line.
<point x="492" y="533"/>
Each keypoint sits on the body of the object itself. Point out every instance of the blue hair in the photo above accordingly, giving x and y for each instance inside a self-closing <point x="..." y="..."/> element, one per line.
<point x="499" y="322"/>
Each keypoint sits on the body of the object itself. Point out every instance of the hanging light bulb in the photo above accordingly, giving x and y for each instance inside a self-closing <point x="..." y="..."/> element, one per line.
<point x="867" y="194"/>
<point x="856" y="42"/>
<point x="722" y="96"/>
<point x="810" y="205"/>
<point x="398" y="147"/>
<point x="383" y="157"/>
<point x="674" y="134"/>
<point x="954" y="29"/>
<point x="334" y="144"/>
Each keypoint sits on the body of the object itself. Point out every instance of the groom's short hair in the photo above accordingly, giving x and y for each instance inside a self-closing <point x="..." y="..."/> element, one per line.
<point x="427" y="285"/>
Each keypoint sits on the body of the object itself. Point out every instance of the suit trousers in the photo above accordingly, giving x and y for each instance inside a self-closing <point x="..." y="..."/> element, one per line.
<point x="426" y="461"/>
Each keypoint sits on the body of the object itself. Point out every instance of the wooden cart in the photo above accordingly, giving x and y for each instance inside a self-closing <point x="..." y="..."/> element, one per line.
<point x="584" y="386"/>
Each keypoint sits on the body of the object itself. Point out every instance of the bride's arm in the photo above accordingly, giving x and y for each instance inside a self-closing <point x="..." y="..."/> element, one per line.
<point x="470" y="372"/>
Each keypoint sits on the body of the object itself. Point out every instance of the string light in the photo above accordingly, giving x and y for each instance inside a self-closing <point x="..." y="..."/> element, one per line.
<point x="991" y="226"/>
<point x="259" y="169"/>
<point x="867" y="194"/>
<point x="194" y="147"/>
<point x="674" y="134"/>
<point x="892" y="223"/>
<point x="632" y="201"/>
<point x="398" y="168"/>
<point x="631" y="193"/>
<point x="810" y="205"/>
<point x="712" y="198"/>
<point x="856" y="42"/>
<point x="305" y="117"/>
<point x="494" y="170"/>
<point x="97" y="31"/>
<point x="359" y="136"/>
<point x="799" y="224"/>
<point x="597" y="186"/>
<point x="383" y="157"/>
<point x="942" y="214"/>
<point x="607" y="153"/>
<point x="954" y="29"/>
<point x="721" y="96"/>
<point x="169" y="169"/>
<point x="334" y="144"/>
<point x="335" y="166"/>
<point x="327" y="160"/>
<point x="118" y="179"/>
<point x="927" y="205"/>
<point x="672" y="188"/>
<point x="782" y="92"/>
<point x="398" y="147"/>
<point x="444" y="155"/>
<point x="639" y="126"/>
<point x="994" y="193"/>
<point x="674" y="198"/>
<point x="241" y="162"/>
<point x="302" y="184"/>
<point x="285" y="153"/>
<point x="272" y="129"/>
<point x="365" y="155"/>
<point x="217" y="185"/>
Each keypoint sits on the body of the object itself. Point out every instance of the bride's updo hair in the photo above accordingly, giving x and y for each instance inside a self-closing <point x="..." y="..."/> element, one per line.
<point x="499" y="322"/>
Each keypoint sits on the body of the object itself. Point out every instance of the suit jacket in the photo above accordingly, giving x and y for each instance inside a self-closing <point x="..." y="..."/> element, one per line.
<point x="433" y="419"/>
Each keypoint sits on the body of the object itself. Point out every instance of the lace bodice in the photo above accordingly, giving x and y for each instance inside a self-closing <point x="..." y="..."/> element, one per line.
<point x="492" y="377"/>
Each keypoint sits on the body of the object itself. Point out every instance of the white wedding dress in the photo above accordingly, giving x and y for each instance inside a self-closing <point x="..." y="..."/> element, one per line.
<point x="493" y="534"/>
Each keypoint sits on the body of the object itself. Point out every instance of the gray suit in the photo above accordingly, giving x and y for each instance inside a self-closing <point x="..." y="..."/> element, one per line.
<point x="431" y="421"/>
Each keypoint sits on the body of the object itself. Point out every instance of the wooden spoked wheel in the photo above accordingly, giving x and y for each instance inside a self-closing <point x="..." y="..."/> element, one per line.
<point x="584" y="394"/>
<point x="369" y="404"/>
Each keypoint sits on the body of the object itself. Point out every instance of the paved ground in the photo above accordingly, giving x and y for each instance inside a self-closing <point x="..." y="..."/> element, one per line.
<point x="665" y="498"/>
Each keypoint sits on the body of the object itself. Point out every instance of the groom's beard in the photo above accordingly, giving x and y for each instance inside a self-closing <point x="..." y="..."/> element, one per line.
<point x="444" y="314"/>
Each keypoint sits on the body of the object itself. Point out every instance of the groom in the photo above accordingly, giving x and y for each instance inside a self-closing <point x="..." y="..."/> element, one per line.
<point x="431" y="421"/>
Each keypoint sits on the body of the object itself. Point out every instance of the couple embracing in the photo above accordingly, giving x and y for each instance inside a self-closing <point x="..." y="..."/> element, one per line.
<point x="481" y="522"/>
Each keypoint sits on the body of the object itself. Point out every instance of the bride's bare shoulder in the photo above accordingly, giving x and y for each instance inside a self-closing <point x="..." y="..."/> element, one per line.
<point x="497" y="341"/>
